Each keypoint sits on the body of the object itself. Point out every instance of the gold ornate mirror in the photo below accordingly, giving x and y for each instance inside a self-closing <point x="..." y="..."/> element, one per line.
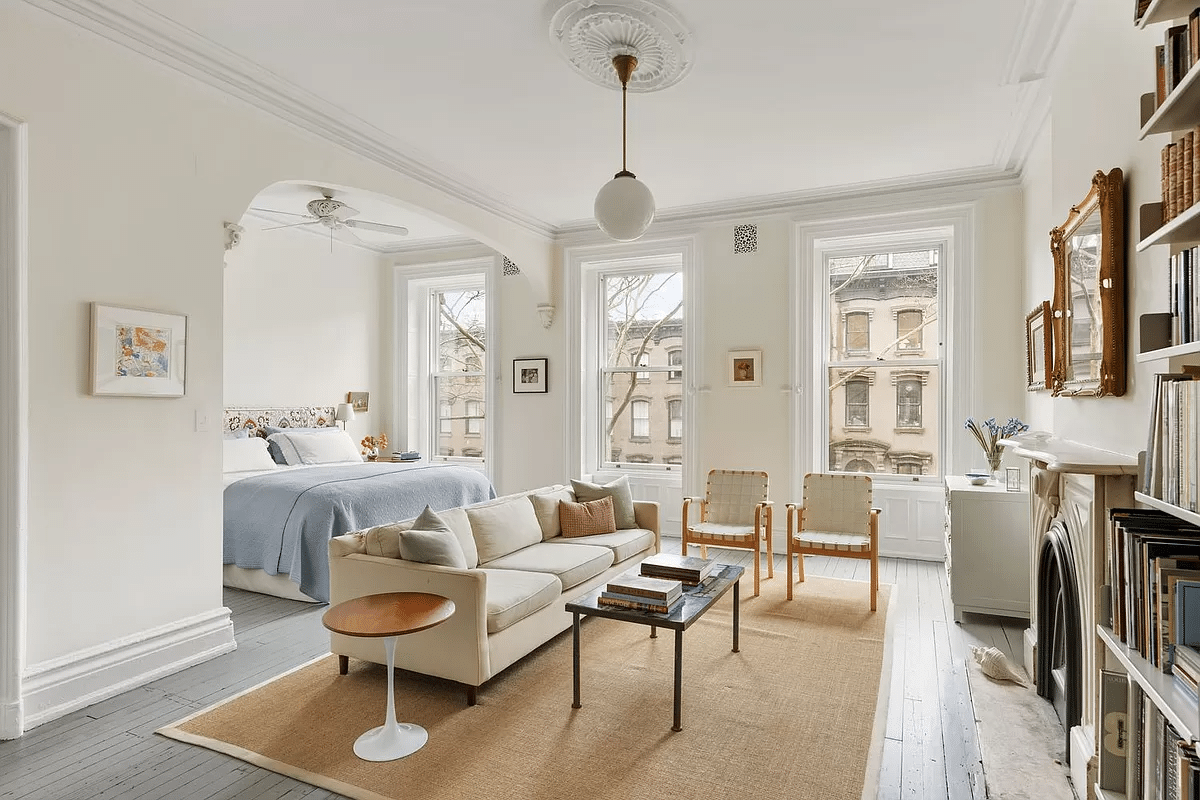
<point x="1088" y="310"/>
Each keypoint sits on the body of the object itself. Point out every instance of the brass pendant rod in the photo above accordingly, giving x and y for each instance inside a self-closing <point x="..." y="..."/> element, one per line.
<point x="624" y="64"/>
<point x="624" y="91"/>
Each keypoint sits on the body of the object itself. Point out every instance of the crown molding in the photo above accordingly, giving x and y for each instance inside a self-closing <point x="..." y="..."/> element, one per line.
<point x="1033" y="107"/>
<point x="1036" y="44"/>
<point x="932" y="189"/>
<point x="134" y="26"/>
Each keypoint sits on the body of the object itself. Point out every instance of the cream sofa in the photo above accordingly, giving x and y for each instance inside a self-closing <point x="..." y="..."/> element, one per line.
<point x="520" y="573"/>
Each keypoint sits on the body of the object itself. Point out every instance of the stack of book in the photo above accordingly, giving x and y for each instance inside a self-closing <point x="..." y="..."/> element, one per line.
<point x="642" y="593"/>
<point x="1187" y="669"/>
<point x="686" y="569"/>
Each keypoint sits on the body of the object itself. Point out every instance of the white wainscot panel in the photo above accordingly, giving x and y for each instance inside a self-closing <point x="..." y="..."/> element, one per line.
<point x="912" y="521"/>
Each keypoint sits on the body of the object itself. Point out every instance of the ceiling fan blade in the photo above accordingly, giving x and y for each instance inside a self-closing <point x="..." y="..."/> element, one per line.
<point x="273" y="211"/>
<point x="378" y="227"/>
<point x="293" y="225"/>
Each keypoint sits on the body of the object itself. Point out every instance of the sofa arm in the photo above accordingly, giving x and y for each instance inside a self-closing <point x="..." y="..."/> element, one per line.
<point x="456" y="649"/>
<point x="645" y="513"/>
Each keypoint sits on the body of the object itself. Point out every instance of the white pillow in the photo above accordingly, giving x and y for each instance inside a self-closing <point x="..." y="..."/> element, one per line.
<point x="503" y="528"/>
<point x="316" y="447"/>
<point x="243" y="455"/>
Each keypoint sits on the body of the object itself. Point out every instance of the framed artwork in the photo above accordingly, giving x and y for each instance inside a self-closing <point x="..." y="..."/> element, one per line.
<point x="745" y="368"/>
<point x="137" y="352"/>
<point x="1038" y="358"/>
<point x="529" y="375"/>
<point x="358" y="401"/>
<point x="1012" y="479"/>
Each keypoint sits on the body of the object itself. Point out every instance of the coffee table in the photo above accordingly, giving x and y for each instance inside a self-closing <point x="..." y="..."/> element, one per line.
<point x="389" y="616"/>
<point x="696" y="600"/>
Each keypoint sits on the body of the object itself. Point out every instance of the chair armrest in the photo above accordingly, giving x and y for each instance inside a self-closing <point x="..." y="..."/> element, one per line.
<point x="687" y="501"/>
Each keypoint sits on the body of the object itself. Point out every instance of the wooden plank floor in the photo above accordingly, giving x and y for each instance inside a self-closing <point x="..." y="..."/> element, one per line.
<point x="109" y="750"/>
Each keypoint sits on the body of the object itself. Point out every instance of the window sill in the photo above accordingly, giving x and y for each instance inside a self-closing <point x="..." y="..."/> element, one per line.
<point x="856" y="428"/>
<point x="909" y="430"/>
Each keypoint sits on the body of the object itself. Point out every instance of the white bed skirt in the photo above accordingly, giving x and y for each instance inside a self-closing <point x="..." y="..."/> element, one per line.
<point x="256" y="580"/>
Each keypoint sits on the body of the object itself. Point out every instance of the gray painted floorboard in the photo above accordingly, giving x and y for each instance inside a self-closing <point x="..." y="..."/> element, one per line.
<point x="109" y="750"/>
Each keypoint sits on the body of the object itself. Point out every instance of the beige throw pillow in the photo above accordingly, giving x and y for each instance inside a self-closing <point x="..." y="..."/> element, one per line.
<point x="618" y="490"/>
<point x="586" y="519"/>
<point x="503" y="528"/>
<point x="384" y="540"/>
<point x="546" y="508"/>
<point x="430" y="541"/>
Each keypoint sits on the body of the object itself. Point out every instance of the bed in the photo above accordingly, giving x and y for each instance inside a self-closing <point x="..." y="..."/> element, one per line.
<point x="278" y="518"/>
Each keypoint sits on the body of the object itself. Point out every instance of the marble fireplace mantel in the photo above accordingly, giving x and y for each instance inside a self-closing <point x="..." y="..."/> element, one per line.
<point x="1064" y="455"/>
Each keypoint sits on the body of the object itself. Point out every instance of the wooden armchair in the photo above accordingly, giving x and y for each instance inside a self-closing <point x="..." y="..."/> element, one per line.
<point x="836" y="520"/>
<point x="734" y="512"/>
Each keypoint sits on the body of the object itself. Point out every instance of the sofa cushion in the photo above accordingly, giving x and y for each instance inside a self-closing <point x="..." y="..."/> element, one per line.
<point x="513" y="595"/>
<point x="503" y="528"/>
<point x="618" y="490"/>
<point x="571" y="565"/>
<point x="430" y="541"/>
<point x="384" y="540"/>
<point x="456" y="519"/>
<point x="586" y="519"/>
<point x="624" y="544"/>
<point x="545" y="506"/>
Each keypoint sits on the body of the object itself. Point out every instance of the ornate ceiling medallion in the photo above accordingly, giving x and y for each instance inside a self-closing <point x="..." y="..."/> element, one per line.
<point x="590" y="33"/>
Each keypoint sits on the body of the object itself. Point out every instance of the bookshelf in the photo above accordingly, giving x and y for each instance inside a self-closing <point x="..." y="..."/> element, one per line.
<point x="1180" y="709"/>
<point x="1184" y="228"/>
<point x="1190" y="351"/>
<point x="1165" y="11"/>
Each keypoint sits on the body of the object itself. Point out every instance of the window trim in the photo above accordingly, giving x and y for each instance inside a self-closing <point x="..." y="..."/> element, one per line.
<point x="905" y="219"/>
<point x="414" y="403"/>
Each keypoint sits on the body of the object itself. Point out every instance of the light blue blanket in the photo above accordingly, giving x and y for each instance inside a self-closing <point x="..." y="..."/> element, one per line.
<point x="282" y="522"/>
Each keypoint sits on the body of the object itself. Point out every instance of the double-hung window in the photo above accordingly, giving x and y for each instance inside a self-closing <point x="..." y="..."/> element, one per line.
<point x="447" y="361"/>
<point x="640" y="365"/>
<point x="876" y="372"/>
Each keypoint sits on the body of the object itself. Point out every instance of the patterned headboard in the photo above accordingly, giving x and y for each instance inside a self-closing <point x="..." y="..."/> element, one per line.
<point x="300" y="417"/>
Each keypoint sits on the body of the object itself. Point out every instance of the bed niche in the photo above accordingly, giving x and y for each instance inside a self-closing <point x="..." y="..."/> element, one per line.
<point x="293" y="480"/>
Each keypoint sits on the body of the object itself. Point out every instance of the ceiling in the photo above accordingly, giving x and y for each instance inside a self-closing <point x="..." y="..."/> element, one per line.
<point x="785" y="100"/>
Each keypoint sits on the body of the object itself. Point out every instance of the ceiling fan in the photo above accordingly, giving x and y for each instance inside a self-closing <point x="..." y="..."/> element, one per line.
<point x="335" y="215"/>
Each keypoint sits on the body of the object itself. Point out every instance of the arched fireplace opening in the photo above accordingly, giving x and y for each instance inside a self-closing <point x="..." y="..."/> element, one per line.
<point x="1059" y="628"/>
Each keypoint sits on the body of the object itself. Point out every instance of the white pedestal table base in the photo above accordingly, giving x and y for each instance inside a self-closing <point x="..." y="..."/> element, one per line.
<point x="391" y="740"/>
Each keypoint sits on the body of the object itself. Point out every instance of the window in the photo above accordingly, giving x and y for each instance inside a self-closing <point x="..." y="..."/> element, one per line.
<point x="445" y="357"/>
<point x="675" y="359"/>
<point x="908" y="403"/>
<point x="474" y="418"/>
<point x="908" y="330"/>
<point x="638" y="336"/>
<point x="641" y="419"/>
<point x="858" y="331"/>
<point x="858" y="403"/>
<point x="900" y="283"/>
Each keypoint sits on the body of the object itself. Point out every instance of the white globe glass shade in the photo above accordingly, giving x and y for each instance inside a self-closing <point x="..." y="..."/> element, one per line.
<point x="624" y="208"/>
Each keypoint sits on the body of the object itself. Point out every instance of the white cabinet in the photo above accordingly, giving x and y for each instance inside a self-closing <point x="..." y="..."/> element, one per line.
<point x="987" y="548"/>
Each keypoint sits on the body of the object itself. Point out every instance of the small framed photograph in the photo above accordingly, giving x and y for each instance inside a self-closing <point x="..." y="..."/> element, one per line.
<point x="359" y="401"/>
<point x="1012" y="479"/>
<point x="529" y="375"/>
<point x="137" y="352"/>
<point x="745" y="367"/>
<point x="1037" y="348"/>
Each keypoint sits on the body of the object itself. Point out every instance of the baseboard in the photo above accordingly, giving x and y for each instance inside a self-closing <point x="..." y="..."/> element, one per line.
<point x="55" y="688"/>
<point x="10" y="720"/>
<point x="1083" y="750"/>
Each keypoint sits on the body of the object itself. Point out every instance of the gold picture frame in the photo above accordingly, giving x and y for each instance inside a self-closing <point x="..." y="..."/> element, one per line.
<point x="1088" y="308"/>
<point x="359" y="401"/>
<point x="1039" y="360"/>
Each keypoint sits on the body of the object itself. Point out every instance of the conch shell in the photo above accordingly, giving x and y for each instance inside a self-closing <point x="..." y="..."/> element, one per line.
<point x="995" y="664"/>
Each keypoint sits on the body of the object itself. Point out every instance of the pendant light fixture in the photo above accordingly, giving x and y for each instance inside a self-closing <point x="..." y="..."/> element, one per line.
<point x="624" y="206"/>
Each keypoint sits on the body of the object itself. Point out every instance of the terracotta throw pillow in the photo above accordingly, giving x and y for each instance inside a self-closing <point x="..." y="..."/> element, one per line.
<point x="586" y="519"/>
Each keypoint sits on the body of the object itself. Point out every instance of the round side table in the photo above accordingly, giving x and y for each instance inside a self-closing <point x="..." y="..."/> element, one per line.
<point x="389" y="616"/>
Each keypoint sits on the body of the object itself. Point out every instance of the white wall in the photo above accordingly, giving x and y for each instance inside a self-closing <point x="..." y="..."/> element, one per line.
<point x="133" y="170"/>
<point x="302" y="325"/>
<point x="1102" y="68"/>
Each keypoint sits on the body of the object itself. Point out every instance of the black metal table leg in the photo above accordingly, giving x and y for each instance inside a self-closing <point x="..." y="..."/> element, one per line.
<point x="678" y="679"/>
<point x="736" y="608"/>
<point x="653" y="631"/>
<point x="575" y="658"/>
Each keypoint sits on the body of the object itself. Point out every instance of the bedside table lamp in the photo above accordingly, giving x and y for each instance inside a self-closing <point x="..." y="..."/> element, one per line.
<point x="344" y="414"/>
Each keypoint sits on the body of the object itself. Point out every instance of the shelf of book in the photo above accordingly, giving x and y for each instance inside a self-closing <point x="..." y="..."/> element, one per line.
<point x="1173" y="510"/>
<point x="1180" y="708"/>
<point x="1180" y="109"/>
<point x="1165" y="11"/>
<point x="1184" y="228"/>
<point x="1168" y="353"/>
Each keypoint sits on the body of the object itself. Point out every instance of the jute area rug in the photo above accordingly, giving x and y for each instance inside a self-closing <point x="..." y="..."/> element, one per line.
<point x="792" y="715"/>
